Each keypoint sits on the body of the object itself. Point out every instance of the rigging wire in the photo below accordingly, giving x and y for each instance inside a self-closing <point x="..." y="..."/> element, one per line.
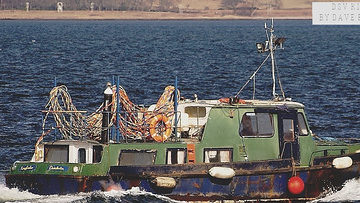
<point x="252" y="76"/>
<point x="279" y="81"/>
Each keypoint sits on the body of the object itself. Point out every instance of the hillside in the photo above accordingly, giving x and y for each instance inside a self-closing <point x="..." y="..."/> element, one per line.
<point x="157" y="9"/>
<point x="217" y="4"/>
<point x="144" y="5"/>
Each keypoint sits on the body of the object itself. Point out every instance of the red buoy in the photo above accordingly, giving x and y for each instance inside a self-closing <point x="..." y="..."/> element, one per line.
<point x="296" y="185"/>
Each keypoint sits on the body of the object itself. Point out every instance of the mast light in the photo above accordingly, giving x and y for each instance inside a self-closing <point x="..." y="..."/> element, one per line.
<point x="260" y="47"/>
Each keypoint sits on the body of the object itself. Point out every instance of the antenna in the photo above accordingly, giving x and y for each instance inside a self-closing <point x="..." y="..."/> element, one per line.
<point x="273" y="43"/>
<point x="272" y="49"/>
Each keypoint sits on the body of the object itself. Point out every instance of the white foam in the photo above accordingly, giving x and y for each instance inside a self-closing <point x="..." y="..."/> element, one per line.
<point x="350" y="192"/>
<point x="13" y="194"/>
<point x="136" y="191"/>
<point x="61" y="198"/>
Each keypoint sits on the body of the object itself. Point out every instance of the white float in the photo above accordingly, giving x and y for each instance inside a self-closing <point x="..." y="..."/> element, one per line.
<point x="342" y="162"/>
<point x="165" y="182"/>
<point x="222" y="172"/>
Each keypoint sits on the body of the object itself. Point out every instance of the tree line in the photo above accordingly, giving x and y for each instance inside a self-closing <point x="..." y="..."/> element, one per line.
<point x="248" y="7"/>
<point x="123" y="5"/>
<point x="239" y="7"/>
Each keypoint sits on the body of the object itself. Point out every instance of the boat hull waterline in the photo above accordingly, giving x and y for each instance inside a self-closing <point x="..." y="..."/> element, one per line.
<point x="253" y="180"/>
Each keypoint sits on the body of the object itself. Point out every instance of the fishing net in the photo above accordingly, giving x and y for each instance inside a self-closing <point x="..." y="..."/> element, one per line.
<point x="133" y="120"/>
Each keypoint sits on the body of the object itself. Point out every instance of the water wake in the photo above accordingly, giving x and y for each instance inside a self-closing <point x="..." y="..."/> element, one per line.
<point x="133" y="195"/>
<point x="349" y="193"/>
<point x="7" y="194"/>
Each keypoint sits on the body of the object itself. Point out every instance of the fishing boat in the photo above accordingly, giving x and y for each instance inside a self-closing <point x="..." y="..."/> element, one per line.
<point x="187" y="149"/>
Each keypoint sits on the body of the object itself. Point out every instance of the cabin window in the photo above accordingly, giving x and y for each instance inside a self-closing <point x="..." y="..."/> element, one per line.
<point x="288" y="130"/>
<point x="195" y="111"/>
<point x="56" y="153"/>
<point x="81" y="155"/>
<point x="97" y="153"/>
<point x="256" y="125"/>
<point x="217" y="155"/>
<point x="302" y="125"/>
<point x="175" y="156"/>
<point x="136" y="157"/>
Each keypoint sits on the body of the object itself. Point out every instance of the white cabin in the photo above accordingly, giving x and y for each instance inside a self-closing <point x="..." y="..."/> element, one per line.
<point x="68" y="151"/>
<point x="192" y="114"/>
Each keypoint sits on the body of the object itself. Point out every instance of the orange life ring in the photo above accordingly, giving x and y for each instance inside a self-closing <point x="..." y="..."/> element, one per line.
<point x="162" y="136"/>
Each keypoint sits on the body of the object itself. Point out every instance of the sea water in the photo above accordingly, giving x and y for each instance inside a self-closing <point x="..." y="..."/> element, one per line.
<point x="319" y="67"/>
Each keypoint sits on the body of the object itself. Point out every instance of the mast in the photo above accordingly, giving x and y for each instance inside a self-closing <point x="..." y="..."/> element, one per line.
<point x="271" y="44"/>
<point x="271" y="48"/>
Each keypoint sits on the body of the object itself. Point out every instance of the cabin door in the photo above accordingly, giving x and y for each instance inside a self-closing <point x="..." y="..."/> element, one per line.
<point x="288" y="135"/>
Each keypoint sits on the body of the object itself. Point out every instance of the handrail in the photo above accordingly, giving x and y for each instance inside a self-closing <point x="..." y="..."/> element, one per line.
<point x="311" y="161"/>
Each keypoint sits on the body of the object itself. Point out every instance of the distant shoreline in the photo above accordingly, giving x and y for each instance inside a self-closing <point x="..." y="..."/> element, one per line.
<point x="140" y="15"/>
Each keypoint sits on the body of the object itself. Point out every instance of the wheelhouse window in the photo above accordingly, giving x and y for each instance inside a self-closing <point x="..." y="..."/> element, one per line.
<point x="56" y="153"/>
<point x="302" y="125"/>
<point x="97" y="153"/>
<point x="195" y="111"/>
<point x="288" y="130"/>
<point x="256" y="125"/>
<point x="136" y="157"/>
<point x="217" y="155"/>
<point x="175" y="156"/>
<point x="82" y="155"/>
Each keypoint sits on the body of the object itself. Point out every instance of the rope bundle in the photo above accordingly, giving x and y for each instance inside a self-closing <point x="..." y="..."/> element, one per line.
<point x="133" y="120"/>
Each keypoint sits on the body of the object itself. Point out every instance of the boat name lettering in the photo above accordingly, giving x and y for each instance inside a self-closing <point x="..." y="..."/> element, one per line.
<point x="27" y="168"/>
<point x="57" y="168"/>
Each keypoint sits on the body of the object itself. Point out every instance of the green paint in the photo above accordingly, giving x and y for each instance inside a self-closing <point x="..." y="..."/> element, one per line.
<point x="221" y="132"/>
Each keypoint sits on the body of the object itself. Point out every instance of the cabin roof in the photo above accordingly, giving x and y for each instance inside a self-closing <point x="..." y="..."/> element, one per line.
<point x="71" y="142"/>
<point x="189" y="102"/>
<point x="274" y="103"/>
<point x="266" y="104"/>
<point x="248" y="103"/>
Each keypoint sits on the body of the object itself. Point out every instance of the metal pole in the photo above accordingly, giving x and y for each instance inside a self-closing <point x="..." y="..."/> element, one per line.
<point x="106" y="114"/>
<point x="175" y="106"/>
<point x="271" y="47"/>
<point x="117" y="109"/>
<point x="112" y="129"/>
<point x="71" y="125"/>
<point x="55" y="129"/>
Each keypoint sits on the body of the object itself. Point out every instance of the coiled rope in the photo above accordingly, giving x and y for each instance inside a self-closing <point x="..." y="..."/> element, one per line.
<point x="133" y="120"/>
